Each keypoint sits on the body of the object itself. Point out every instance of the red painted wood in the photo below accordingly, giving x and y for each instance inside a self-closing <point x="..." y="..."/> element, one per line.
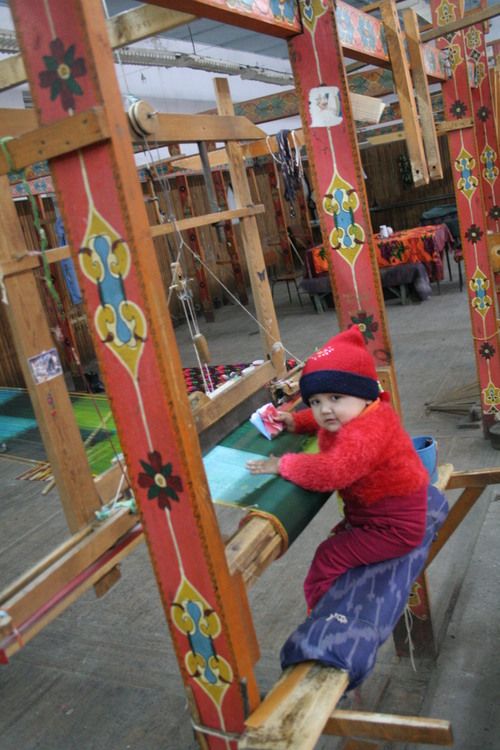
<point x="274" y="17"/>
<point x="337" y="181"/>
<point x="70" y="67"/>
<point x="362" y="37"/>
<point x="465" y="159"/>
<point x="484" y="118"/>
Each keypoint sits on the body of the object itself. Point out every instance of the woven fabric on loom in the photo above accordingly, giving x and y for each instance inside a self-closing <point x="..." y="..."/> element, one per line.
<point x="19" y="428"/>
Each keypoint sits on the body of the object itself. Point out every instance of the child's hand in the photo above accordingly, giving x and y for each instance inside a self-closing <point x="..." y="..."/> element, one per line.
<point x="285" y="417"/>
<point x="263" y="465"/>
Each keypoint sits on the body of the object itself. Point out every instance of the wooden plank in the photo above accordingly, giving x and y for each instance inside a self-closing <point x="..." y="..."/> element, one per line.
<point x="279" y="693"/>
<point x="442" y="128"/>
<point x="422" y="94"/>
<point x="173" y="129"/>
<point x="77" y="587"/>
<point x="48" y="141"/>
<point x="478" y="478"/>
<point x="248" y="542"/>
<point x="404" y="90"/>
<point x="26" y="261"/>
<point x="52" y="579"/>
<point x="219" y="157"/>
<point x="298" y="720"/>
<point x="143" y="22"/>
<point x="226" y="398"/>
<point x="390" y="727"/>
<point x="445" y="471"/>
<point x="22" y="581"/>
<point x="206" y="219"/>
<point x="50" y="399"/>
<point x="484" y="14"/>
<point x="456" y="515"/>
<point x="15" y="122"/>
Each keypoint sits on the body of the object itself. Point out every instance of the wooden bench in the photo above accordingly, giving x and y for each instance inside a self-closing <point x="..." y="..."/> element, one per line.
<point x="301" y="707"/>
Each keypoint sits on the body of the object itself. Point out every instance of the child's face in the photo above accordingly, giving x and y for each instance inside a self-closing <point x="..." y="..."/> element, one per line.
<point x="332" y="410"/>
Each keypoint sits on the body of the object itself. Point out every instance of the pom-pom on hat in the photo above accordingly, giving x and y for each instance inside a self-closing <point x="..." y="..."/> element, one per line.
<point x="344" y="365"/>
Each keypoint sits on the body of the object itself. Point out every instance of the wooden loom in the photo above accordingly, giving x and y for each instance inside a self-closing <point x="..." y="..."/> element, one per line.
<point x="91" y="159"/>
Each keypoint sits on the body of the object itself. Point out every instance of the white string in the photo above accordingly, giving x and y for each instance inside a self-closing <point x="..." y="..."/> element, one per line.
<point x="409" y="626"/>
<point x="181" y="244"/>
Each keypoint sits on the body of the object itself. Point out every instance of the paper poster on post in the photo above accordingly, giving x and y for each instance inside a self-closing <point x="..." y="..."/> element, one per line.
<point x="45" y="366"/>
<point x="324" y="106"/>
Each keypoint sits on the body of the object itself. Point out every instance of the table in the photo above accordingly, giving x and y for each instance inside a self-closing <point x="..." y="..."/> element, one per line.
<point x="425" y="245"/>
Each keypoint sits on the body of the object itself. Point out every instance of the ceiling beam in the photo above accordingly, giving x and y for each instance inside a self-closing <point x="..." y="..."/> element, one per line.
<point x="470" y="19"/>
<point x="260" y="17"/>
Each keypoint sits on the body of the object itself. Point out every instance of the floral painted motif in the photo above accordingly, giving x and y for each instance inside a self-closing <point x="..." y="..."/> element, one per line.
<point x="157" y="478"/>
<point x="366" y="324"/>
<point x="61" y="71"/>
<point x="495" y="212"/>
<point x="483" y="113"/>
<point x="474" y="233"/>
<point x="458" y="109"/>
<point x="487" y="350"/>
<point x="491" y="394"/>
<point x="445" y="13"/>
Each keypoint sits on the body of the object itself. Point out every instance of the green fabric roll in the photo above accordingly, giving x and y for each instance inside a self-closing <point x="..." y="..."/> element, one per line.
<point x="288" y="506"/>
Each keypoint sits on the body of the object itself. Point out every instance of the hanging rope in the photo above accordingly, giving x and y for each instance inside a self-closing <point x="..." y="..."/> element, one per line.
<point x="290" y="165"/>
<point x="181" y="285"/>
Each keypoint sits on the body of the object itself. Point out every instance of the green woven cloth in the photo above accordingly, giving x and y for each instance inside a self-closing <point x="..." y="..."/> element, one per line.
<point x="289" y="507"/>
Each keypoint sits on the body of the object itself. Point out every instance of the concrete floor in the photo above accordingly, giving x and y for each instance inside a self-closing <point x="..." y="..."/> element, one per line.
<point x="103" y="674"/>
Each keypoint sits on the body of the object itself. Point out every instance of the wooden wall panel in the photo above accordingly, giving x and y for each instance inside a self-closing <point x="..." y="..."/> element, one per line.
<point x="390" y="202"/>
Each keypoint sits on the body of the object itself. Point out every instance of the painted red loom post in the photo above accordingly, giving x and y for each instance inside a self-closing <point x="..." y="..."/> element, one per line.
<point x="70" y="69"/>
<point x="338" y="184"/>
<point x="466" y="162"/>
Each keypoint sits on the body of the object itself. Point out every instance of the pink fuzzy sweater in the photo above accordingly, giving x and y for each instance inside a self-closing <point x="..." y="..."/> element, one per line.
<point x="368" y="459"/>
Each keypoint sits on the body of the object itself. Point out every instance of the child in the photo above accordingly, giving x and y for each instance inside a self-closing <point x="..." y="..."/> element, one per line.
<point x="364" y="453"/>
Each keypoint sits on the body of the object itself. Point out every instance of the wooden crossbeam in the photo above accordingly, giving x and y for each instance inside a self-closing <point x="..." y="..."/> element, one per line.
<point x="206" y="219"/>
<point x="404" y="89"/>
<point x="296" y="713"/>
<point x="44" y="592"/>
<point x="470" y="19"/>
<point x="193" y="128"/>
<point x="48" y="141"/>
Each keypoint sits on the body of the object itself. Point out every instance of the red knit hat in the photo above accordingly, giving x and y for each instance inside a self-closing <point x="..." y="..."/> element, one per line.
<point x="343" y="365"/>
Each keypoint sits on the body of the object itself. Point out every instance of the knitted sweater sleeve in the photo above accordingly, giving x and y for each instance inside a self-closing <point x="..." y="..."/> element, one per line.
<point x="304" y="422"/>
<point x="345" y="457"/>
